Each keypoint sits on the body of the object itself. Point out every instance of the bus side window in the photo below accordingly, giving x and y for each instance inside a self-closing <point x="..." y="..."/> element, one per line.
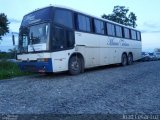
<point x="110" y="29"/>
<point x="63" y="17"/>
<point x="126" y="33"/>
<point x="98" y="26"/>
<point x="119" y="31"/>
<point x="83" y="23"/>
<point x="133" y="35"/>
<point x="138" y="36"/>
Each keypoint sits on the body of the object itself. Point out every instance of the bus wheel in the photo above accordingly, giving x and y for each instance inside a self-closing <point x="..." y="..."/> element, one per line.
<point x="130" y="59"/>
<point x="75" y="65"/>
<point x="124" y="60"/>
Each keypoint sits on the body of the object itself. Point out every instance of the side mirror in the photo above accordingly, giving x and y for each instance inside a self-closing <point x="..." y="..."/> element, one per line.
<point x="13" y="40"/>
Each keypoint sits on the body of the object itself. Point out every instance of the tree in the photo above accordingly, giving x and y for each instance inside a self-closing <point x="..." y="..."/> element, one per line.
<point x="119" y="15"/>
<point x="132" y="20"/>
<point x="3" y="25"/>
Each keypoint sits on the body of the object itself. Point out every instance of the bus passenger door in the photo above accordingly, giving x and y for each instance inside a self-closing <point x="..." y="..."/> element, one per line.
<point x="62" y="40"/>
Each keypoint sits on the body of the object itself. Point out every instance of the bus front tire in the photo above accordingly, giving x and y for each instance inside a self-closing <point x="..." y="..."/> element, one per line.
<point x="124" y="60"/>
<point x="75" y="65"/>
<point x="130" y="59"/>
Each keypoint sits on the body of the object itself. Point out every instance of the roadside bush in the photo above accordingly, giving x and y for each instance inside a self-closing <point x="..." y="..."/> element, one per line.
<point x="9" y="55"/>
<point x="9" y="69"/>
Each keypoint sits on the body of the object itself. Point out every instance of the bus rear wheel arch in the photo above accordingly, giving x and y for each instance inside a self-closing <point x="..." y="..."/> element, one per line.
<point x="76" y="64"/>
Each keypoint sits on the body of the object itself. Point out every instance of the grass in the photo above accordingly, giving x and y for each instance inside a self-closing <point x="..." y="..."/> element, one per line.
<point x="9" y="70"/>
<point x="8" y="55"/>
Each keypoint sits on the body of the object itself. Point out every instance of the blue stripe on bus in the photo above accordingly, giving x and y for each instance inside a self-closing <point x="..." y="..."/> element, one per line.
<point x="36" y="66"/>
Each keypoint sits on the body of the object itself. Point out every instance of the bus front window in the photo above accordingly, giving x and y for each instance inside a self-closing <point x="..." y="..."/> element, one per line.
<point x="34" y="38"/>
<point x="39" y="34"/>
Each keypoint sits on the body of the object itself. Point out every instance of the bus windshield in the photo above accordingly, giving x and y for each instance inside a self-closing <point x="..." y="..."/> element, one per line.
<point x="34" y="37"/>
<point x="39" y="33"/>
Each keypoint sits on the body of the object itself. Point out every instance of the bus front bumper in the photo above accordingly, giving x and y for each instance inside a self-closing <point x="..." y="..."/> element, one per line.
<point x="35" y="66"/>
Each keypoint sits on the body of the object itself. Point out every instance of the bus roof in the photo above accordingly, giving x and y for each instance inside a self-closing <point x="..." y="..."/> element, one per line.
<point x="68" y="8"/>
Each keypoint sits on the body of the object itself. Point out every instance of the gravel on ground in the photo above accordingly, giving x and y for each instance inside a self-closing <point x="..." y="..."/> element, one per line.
<point x="109" y="89"/>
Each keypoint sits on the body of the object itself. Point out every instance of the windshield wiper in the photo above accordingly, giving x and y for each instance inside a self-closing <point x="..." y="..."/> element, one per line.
<point x="32" y="47"/>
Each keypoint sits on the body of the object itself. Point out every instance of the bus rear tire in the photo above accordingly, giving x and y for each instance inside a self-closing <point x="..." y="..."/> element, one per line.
<point x="75" y="65"/>
<point x="124" y="60"/>
<point x="130" y="59"/>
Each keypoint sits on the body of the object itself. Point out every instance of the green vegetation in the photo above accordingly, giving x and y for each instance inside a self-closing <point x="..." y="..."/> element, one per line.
<point x="4" y="25"/>
<point x="120" y="15"/>
<point x="9" y="55"/>
<point x="9" y="70"/>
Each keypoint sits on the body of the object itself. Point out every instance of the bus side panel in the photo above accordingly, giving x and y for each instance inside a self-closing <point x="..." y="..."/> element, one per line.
<point x="91" y="43"/>
<point x="103" y="50"/>
<point x="60" y="60"/>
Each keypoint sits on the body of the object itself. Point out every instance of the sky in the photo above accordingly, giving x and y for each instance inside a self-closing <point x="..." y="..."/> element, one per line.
<point x="148" y="19"/>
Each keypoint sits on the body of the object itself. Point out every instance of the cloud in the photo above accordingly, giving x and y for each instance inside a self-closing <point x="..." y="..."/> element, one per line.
<point x="12" y="20"/>
<point x="143" y="31"/>
<point x="14" y="24"/>
<point x="150" y="27"/>
<point x="149" y="31"/>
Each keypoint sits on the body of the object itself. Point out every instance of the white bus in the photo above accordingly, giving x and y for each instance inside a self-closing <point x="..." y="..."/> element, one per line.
<point x="157" y="53"/>
<point x="55" y="39"/>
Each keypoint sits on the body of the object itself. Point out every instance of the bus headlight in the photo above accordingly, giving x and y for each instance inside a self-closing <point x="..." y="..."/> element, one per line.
<point x="42" y="59"/>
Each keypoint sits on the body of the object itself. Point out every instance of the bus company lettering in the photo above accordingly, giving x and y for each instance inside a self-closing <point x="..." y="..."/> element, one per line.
<point x="29" y="18"/>
<point x="112" y="42"/>
<point x="32" y="19"/>
<point x="124" y="43"/>
<point x="115" y="43"/>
